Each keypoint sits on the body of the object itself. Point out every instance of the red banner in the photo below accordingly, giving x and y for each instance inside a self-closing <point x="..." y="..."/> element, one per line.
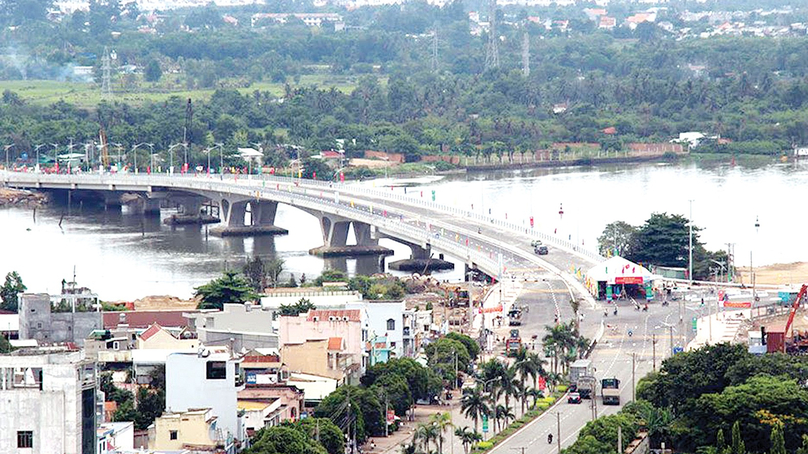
<point x="628" y="280"/>
<point x="391" y="416"/>
<point x="738" y="304"/>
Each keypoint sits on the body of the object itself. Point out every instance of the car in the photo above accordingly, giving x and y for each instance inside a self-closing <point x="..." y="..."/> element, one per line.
<point x="535" y="243"/>
<point x="541" y="250"/>
<point x="574" y="398"/>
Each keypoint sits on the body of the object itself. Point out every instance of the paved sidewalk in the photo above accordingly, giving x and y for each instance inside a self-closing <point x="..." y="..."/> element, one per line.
<point x="720" y="327"/>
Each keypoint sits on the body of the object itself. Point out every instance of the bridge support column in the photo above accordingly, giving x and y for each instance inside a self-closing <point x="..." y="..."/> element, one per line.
<point x="144" y="206"/>
<point x="112" y="201"/>
<point x="335" y="239"/>
<point x="261" y="219"/>
<point x="190" y="212"/>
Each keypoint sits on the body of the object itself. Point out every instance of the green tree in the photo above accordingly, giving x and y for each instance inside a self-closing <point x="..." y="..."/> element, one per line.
<point x="441" y="356"/>
<point x="5" y="345"/>
<point x="230" y="288"/>
<point x="301" y="307"/>
<point x="255" y="273"/>
<point x="474" y="404"/>
<point x="777" y="441"/>
<point x="325" y="431"/>
<point x="9" y="291"/>
<point x="150" y="405"/>
<point x="472" y="347"/>
<point x="284" y="439"/>
<point x="663" y="240"/>
<point x="738" y="445"/>
<point x="152" y="72"/>
<point x="394" y="389"/>
<point x="618" y="238"/>
<point x="467" y="437"/>
<point x="272" y="269"/>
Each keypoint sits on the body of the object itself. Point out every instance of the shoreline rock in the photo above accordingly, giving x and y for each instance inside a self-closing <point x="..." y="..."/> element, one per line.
<point x="21" y="198"/>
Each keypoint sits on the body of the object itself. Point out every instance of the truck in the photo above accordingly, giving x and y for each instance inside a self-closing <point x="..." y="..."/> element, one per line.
<point x="515" y="316"/>
<point x="610" y="391"/>
<point x="513" y="344"/>
<point x="580" y="368"/>
<point x="585" y="386"/>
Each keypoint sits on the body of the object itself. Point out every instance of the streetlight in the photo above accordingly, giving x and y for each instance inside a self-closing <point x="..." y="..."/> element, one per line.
<point x="207" y="152"/>
<point x="221" y="159"/>
<point x="7" y="147"/>
<point x="55" y="157"/>
<point x="690" y="251"/>
<point x="171" y="153"/>
<point x="185" y="164"/>
<point x="119" y="146"/>
<point x="151" y="157"/>
<point x="134" y="152"/>
<point x="36" y="150"/>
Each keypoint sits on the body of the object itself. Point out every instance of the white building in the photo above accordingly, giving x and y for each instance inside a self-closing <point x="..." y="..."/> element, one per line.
<point x="384" y="319"/>
<point x="210" y="378"/>
<point x="249" y="326"/>
<point x="47" y="402"/>
<point x="114" y="437"/>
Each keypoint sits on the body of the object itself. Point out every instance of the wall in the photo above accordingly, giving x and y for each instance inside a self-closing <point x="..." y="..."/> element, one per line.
<point x="296" y="330"/>
<point x="309" y="357"/>
<point x="322" y="300"/>
<point x="54" y="414"/>
<point x="392" y="157"/>
<point x="164" y="340"/>
<point x="241" y="340"/>
<point x="187" y="386"/>
<point x="37" y="321"/>
<point x="191" y="427"/>
<point x="249" y="326"/>
<point x="377" y="314"/>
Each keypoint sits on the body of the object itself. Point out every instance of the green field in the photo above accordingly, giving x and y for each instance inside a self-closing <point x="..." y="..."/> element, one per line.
<point x="89" y="95"/>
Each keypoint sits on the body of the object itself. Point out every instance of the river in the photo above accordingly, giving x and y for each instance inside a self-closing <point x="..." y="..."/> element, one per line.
<point x="124" y="257"/>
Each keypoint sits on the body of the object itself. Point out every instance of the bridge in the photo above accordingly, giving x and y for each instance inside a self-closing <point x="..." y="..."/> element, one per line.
<point x="248" y="205"/>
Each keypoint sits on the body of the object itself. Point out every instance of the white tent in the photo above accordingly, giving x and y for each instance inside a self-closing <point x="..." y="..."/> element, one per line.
<point x="616" y="271"/>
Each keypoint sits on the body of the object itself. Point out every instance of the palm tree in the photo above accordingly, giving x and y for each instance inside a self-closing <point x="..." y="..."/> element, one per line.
<point x="528" y="364"/>
<point x="503" y="413"/>
<point x="535" y="394"/>
<point x="575" y="304"/>
<point x="441" y="421"/>
<point x="420" y="437"/>
<point x="468" y="437"/>
<point x="473" y="404"/>
<point x="508" y="384"/>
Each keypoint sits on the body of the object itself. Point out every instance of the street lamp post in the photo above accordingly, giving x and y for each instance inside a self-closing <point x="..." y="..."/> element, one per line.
<point x="185" y="164"/>
<point x="7" y="147"/>
<point x="171" y="154"/>
<point x="134" y="152"/>
<point x="690" y="249"/>
<point x="221" y="160"/>
<point x="36" y="150"/>
<point x="55" y="157"/>
<point x="151" y="157"/>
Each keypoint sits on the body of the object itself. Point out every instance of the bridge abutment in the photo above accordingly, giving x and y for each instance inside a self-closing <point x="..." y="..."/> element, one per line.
<point x="144" y="206"/>
<point x="190" y="212"/>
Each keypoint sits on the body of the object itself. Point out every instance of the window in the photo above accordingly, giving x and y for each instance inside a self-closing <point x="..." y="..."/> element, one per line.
<point x="216" y="370"/>
<point x="25" y="439"/>
<point x="391" y="324"/>
<point x="172" y="434"/>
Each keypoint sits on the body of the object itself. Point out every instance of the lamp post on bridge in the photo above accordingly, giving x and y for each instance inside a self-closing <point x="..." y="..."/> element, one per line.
<point x="171" y="154"/>
<point x="6" y="148"/>
<point x="151" y="157"/>
<point x="134" y="152"/>
<point x="36" y="150"/>
<point x="55" y="156"/>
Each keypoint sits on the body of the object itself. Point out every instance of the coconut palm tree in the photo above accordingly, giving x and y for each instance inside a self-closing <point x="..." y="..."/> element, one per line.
<point x="473" y="404"/>
<point x="504" y="414"/>
<point x="535" y="394"/>
<point x="441" y="421"/>
<point x="508" y="385"/>
<point x="468" y="437"/>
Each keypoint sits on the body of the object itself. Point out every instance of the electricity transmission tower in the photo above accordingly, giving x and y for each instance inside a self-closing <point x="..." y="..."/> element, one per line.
<point x="106" y="78"/>
<point x="435" y="48"/>
<point x="492" y="51"/>
<point x="525" y="54"/>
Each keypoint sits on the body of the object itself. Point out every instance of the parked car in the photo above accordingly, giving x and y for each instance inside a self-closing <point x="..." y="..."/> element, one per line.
<point x="535" y="243"/>
<point x="541" y="250"/>
<point x="574" y="398"/>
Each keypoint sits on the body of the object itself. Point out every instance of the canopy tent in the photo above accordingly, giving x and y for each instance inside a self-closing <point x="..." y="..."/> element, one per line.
<point x="615" y="273"/>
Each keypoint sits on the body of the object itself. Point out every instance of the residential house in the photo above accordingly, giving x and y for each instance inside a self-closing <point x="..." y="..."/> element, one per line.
<point x="262" y="366"/>
<point x="384" y="319"/>
<point x="209" y="378"/>
<point x="197" y="428"/>
<point x="38" y="321"/>
<point x="285" y="403"/>
<point x="114" y="437"/>
<point x="47" y="401"/>
<point x="249" y="326"/>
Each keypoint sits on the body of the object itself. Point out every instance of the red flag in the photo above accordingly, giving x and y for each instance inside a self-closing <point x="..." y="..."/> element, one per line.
<point x="314" y="175"/>
<point x="341" y="177"/>
<point x="542" y="383"/>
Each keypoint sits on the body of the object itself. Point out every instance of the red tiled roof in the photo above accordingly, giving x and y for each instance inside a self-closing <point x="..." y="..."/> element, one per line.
<point x="335" y="343"/>
<point x="144" y="319"/>
<point x="154" y="329"/>
<point x="354" y="315"/>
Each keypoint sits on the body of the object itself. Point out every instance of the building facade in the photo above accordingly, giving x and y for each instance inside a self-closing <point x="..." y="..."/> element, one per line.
<point x="47" y="402"/>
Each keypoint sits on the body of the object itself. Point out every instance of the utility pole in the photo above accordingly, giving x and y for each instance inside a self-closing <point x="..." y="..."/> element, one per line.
<point x="653" y="349"/>
<point x="558" y="427"/>
<point x="690" y="249"/>
<point x="106" y="78"/>
<point x="633" y="376"/>
<point x="670" y="329"/>
<point x="619" y="438"/>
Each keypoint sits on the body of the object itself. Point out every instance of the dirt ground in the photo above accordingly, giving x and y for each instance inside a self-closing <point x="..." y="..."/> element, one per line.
<point x="778" y="274"/>
<point x="371" y="163"/>
<point x="164" y="303"/>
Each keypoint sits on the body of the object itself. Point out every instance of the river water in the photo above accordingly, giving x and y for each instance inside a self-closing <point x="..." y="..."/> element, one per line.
<point x="124" y="257"/>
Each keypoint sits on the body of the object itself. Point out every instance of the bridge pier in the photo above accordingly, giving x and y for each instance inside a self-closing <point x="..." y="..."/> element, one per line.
<point x="112" y="201"/>
<point x="261" y="218"/>
<point x="144" y="206"/>
<point x="335" y="239"/>
<point x="190" y="212"/>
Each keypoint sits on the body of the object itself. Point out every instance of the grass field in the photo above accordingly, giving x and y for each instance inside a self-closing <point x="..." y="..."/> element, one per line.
<point x="89" y="95"/>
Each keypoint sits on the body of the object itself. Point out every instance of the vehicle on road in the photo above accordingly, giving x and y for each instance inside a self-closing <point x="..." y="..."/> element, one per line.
<point x="535" y="243"/>
<point x="580" y="368"/>
<point x="515" y="316"/>
<point x="574" y="398"/>
<point x="585" y="386"/>
<point x="513" y="344"/>
<point x="610" y="391"/>
<point x="541" y="250"/>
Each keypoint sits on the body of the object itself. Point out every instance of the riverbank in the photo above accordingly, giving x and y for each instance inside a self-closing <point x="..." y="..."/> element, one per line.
<point x="21" y="198"/>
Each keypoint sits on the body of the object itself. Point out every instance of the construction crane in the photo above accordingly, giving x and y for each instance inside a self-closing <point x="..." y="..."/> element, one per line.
<point x="777" y="341"/>
<point x="102" y="137"/>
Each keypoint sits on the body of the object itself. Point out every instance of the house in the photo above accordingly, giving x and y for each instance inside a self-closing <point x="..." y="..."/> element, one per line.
<point x="416" y="327"/>
<point x="209" y="379"/>
<point x="157" y="337"/>
<point x="144" y="319"/>
<point x="262" y="366"/>
<point x="47" y="401"/>
<point x="196" y="428"/>
<point x="303" y="331"/>
<point x="323" y="357"/>
<point x="249" y="326"/>
<point x="40" y="322"/>
<point x="323" y="297"/>
<point x="692" y="138"/>
<point x="607" y="23"/>
<point x="315" y="388"/>
<point x="269" y="405"/>
<point x="384" y="319"/>
<point x="114" y="437"/>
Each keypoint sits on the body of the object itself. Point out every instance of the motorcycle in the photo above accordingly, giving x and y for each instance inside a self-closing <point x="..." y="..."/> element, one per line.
<point x="549" y="439"/>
